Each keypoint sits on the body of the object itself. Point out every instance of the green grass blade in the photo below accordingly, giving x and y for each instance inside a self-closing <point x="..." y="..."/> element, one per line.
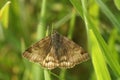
<point x="117" y="3"/>
<point x="37" y="72"/>
<point x="41" y="30"/>
<point x="46" y="74"/>
<point x="2" y="37"/>
<point x="109" y="14"/>
<point x="4" y="19"/>
<point x="98" y="59"/>
<point x="62" y="74"/>
<point x="72" y="22"/>
<point x="78" y="6"/>
<point x="4" y="14"/>
<point x="112" y="43"/>
<point x="112" y="61"/>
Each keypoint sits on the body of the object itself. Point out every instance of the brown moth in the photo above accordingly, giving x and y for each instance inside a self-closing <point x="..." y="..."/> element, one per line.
<point x="56" y="51"/>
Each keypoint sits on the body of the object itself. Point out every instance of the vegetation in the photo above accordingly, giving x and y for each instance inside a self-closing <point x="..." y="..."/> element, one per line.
<point x="93" y="24"/>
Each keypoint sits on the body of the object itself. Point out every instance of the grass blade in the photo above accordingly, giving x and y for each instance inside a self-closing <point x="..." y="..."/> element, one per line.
<point x="78" y="6"/>
<point x="46" y="74"/>
<point x="4" y="14"/>
<point x="98" y="60"/>
<point x="111" y="60"/>
<point x="72" y="22"/>
<point x="117" y="3"/>
<point x="109" y="14"/>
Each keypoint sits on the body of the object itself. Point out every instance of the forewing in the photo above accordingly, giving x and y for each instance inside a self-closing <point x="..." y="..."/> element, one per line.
<point x="72" y="54"/>
<point x="38" y="51"/>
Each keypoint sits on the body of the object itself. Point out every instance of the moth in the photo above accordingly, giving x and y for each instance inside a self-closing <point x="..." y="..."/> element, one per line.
<point x="56" y="50"/>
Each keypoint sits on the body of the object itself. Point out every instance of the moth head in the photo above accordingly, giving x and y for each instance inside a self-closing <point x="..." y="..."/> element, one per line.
<point x="54" y="32"/>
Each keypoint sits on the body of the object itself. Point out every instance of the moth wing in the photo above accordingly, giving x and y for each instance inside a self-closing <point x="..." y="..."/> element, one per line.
<point x="50" y="61"/>
<point x="72" y="54"/>
<point x="38" y="51"/>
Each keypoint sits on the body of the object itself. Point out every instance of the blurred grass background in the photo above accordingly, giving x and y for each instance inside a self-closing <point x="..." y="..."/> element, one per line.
<point x="93" y="24"/>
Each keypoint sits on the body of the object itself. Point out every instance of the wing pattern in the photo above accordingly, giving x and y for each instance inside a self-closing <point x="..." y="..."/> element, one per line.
<point x="72" y="54"/>
<point x="38" y="51"/>
<point x="44" y="53"/>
